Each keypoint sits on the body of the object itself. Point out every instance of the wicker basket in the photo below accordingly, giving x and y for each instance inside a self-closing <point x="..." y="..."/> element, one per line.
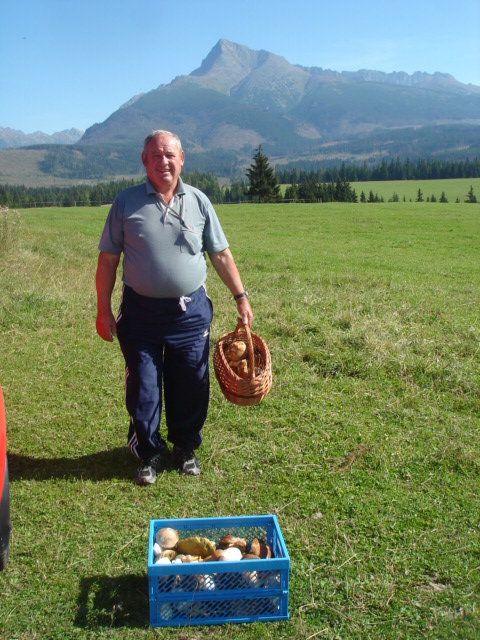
<point x="244" y="392"/>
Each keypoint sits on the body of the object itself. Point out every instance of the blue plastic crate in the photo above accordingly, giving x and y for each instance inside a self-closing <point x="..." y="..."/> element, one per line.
<point x="220" y="592"/>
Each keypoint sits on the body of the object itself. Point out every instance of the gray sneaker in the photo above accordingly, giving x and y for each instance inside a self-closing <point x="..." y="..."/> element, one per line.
<point x="186" y="460"/>
<point x="147" y="471"/>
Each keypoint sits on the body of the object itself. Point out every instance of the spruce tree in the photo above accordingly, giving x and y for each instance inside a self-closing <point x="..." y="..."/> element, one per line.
<point x="471" y="197"/>
<point x="291" y="192"/>
<point x="263" y="182"/>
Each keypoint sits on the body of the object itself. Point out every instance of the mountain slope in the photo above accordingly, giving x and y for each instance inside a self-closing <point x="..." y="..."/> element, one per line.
<point x="260" y="97"/>
<point x="239" y="98"/>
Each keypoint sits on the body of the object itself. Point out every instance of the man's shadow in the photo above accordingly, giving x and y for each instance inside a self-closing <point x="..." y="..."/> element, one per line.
<point x="103" y="601"/>
<point x="113" y="602"/>
<point x="104" y="465"/>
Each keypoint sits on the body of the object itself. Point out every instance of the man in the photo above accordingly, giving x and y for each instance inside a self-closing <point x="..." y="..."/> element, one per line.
<point x="163" y="228"/>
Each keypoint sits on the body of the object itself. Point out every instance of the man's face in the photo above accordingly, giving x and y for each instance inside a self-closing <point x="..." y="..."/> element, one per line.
<point x="163" y="163"/>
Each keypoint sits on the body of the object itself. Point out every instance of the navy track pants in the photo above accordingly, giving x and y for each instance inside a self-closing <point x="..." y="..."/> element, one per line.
<point x="165" y="341"/>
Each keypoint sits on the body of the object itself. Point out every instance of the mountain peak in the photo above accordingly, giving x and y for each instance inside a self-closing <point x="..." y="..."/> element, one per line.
<point x="14" y="138"/>
<point x="238" y="98"/>
<point x="229" y="63"/>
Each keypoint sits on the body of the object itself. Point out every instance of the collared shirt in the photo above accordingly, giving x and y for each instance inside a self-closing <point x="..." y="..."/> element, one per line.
<point x="163" y="245"/>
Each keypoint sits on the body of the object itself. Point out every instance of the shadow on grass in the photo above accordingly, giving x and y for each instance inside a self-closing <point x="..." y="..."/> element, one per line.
<point x="104" y="465"/>
<point x="113" y="602"/>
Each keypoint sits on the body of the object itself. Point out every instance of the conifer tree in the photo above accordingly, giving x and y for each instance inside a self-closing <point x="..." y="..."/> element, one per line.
<point x="471" y="196"/>
<point x="291" y="192"/>
<point x="263" y="182"/>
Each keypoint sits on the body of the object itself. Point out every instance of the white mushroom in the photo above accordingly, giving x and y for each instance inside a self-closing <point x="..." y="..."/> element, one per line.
<point x="231" y="554"/>
<point x="205" y="582"/>
<point x="233" y="541"/>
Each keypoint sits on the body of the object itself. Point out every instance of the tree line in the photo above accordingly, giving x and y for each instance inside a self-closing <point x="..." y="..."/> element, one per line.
<point x="262" y="184"/>
<point x="394" y="170"/>
<point x="21" y="197"/>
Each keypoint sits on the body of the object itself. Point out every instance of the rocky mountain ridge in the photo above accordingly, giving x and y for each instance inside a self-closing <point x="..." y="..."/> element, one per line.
<point x="234" y="62"/>
<point x="239" y="98"/>
<point x="14" y="138"/>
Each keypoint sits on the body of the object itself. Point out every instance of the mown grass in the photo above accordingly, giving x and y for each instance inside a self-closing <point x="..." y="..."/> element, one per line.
<point x="367" y="447"/>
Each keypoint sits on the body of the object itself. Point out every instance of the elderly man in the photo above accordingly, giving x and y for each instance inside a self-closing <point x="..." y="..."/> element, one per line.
<point x="164" y="228"/>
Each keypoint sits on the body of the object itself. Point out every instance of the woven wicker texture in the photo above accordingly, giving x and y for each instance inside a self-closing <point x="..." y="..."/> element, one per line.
<point x="254" y="388"/>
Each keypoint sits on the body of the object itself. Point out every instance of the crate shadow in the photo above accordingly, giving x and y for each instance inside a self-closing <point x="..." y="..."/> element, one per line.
<point x="113" y="602"/>
<point x="104" y="465"/>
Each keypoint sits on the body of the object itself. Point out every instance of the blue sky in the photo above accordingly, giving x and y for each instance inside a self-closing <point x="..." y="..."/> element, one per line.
<point x="70" y="64"/>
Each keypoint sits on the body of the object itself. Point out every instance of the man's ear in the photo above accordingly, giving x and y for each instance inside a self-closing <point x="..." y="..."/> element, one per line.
<point x="144" y="158"/>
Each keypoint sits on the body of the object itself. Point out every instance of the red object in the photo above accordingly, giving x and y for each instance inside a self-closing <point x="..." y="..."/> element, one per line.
<point x="5" y="524"/>
<point x="3" y="441"/>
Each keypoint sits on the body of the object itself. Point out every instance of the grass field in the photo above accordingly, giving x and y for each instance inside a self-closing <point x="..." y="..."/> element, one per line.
<point x="408" y="189"/>
<point x="367" y="448"/>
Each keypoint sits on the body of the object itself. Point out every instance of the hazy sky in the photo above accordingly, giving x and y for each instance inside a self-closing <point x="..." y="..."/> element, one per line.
<point x="67" y="64"/>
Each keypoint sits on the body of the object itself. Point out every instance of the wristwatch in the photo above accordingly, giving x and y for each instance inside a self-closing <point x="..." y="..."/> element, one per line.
<point x="241" y="295"/>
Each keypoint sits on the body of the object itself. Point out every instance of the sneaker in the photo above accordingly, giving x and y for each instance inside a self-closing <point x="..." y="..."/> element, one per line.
<point x="147" y="471"/>
<point x="186" y="460"/>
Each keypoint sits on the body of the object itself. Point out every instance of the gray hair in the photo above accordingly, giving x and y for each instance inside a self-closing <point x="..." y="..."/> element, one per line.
<point x="162" y="132"/>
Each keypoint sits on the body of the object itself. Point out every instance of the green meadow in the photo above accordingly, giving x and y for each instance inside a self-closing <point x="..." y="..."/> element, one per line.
<point x="408" y="189"/>
<point x="367" y="448"/>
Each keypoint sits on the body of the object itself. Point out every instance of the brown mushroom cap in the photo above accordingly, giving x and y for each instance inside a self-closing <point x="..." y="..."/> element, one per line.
<point x="216" y="555"/>
<point x="242" y="369"/>
<point x="167" y="537"/>
<point x="236" y="350"/>
<point x="260" y="548"/>
<point x="232" y="541"/>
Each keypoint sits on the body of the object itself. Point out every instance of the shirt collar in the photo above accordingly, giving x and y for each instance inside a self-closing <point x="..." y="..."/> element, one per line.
<point x="180" y="190"/>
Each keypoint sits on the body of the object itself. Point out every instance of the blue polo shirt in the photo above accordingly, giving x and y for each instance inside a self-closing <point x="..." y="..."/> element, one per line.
<point x="163" y="246"/>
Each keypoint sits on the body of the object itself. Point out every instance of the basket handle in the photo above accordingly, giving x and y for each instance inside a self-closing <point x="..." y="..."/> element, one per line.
<point x="251" y="354"/>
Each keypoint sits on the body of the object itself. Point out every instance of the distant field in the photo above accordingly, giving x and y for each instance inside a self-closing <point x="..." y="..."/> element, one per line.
<point x="21" y="167"/>
<point x="408" y="189"/>
<point x="14" y="164"/>
<point x="18" y="166"/>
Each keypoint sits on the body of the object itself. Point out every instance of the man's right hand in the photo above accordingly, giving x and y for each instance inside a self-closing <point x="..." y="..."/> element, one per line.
<point x="106" y="326"/>
<point x="105" y="282"/>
